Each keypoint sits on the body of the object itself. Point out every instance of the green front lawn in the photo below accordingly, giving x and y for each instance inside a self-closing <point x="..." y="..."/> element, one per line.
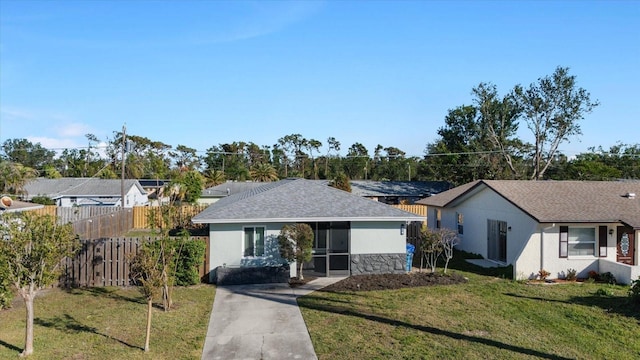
<point x="486" y="318"/>
<point x="109" y="323"/>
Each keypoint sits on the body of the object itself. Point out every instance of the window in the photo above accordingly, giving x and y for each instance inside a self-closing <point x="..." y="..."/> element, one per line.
<point x="577" y="241"/>
<point x="438" y="216"/>
<point x="254" y="241"/>
<point x="460" y="220"/>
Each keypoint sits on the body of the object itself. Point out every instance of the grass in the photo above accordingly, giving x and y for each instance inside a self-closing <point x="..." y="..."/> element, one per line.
<point x="487" y="318"/>
<point x="109" y="323"/>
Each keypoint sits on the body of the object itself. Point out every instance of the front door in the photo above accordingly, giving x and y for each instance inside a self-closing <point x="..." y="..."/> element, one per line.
<point x="497" y="240"/>
<point x="626" y="245"/>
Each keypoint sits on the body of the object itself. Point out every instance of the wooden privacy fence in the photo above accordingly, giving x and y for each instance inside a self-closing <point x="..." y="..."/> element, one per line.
<point x="141" y="214"/>
<point x="75" y="213"/>
<point x="108" y="225"/>
<point x="416" y="209"/>
<point x="106" y="262"/>
<point x="413" y="233"/>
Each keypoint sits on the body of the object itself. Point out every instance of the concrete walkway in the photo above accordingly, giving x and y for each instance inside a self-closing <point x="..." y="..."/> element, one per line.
<point x="260" y="322"/>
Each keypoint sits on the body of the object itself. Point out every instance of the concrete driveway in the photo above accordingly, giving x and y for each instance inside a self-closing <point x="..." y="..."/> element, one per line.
<point x="260" y="321"/>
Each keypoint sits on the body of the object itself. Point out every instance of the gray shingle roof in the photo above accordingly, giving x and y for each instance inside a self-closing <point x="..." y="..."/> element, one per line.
<point x="558" y="201"/>
<point x="298" y="200"/>
<point x="398" y="188"/>
<point x="56" y="188"/>
<point x="229" y="188"/>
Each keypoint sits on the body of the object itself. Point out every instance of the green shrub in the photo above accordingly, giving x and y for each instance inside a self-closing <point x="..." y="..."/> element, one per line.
<point x="190" y="257"/>
<point x="607" y="278"/>
<point x="6" y="295"/>
<point x="42" y="200"/>
<point x="571" y="275"/>
<point x="189" y="254"/>
<point x="604" y="292"/>
<point x="634" y="291"/>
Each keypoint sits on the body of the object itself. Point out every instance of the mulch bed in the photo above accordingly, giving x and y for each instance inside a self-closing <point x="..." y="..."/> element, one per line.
<point x="394" y="281"/>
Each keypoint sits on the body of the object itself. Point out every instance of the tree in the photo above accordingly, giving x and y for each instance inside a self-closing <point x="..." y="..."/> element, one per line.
<point x="13" y="177"/>
<point x="187" y="187"/>
<point x="296" y="242"/>
<point x="332" y="144"/>
<point x="34" y="247"/>
<point x="341" y="181"/>
<point x="263" y="172"/>
<point x="356" y="162"/>
<point x="213" y="177"/>
<point x="430" y="247"/>
<point x="26" y="153"/>
<point x="448" y="240"/>
<point x="552" y="109"/>
<point x="145" y="271"/>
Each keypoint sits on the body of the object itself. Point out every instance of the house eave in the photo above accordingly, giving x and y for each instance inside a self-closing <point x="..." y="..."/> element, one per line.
<point x="306" y="219"/>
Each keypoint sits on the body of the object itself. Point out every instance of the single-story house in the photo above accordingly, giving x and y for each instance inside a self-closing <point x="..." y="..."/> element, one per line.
<point x="353" y="235"/>
<point x="397" y="192"/>
<point x="67" y="192"/>
<point x="155" y="190"/>
<point x="551" y="225"/>
<point x="17" y="205"/>
<point x="215" y="193"/>
<point x="388" y="192"/>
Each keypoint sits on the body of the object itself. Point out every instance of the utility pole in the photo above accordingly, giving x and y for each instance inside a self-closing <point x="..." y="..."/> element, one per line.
<point x="123" y="152"/>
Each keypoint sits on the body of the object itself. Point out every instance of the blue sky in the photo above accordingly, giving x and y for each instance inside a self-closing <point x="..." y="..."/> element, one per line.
<point x="202" y="73"/>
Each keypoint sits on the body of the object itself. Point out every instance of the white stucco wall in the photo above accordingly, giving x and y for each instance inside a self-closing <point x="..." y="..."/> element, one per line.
<point x="528" y="267"/>
<point x="226" y="246"/>
<point x="483" y="206"/>
<point x="377" y="238"/>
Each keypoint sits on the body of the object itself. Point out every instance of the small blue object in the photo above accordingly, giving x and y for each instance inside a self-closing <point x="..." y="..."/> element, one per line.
<point x="411" y="248"/>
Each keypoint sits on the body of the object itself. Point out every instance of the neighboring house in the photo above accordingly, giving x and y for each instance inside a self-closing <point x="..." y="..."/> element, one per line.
<point x="550" y="225"/>
<point x="353" y="235"/>
<point x="215" y="193"/>
<point x="18" y="206"/>
<point x="397" y="192"/>
<point x="155" y="190"/>
<point x="388" y="192"/>
<point x="67" y="192"/>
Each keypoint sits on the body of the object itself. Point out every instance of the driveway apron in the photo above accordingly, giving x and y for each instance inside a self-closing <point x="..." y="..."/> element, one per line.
<point x="260" y="321"/>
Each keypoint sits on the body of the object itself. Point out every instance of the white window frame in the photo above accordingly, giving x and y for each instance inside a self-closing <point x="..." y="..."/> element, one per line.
<point x="574" y="242"/>
<point x="264" y="241"/>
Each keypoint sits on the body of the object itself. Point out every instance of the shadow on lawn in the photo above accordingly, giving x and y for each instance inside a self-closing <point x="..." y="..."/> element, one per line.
<point x="68" y="324"/>
<point x="109" y="292"/>
<point x="112" y="293"/>
<point x="426" y="329"/>
<point x="610" y="304"/>
<point x="10" y="346"/>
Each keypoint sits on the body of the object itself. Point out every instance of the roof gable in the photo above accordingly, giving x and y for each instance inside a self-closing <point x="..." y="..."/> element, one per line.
<point x="65" y="187"/>
<point x="298" y="200"/>
<point x="557" y="201"/>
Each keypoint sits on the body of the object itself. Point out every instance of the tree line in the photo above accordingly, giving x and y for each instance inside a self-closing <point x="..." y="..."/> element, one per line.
<point x="477" y="141"/>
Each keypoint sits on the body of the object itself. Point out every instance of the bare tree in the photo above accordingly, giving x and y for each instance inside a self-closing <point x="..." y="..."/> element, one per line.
<point x="448" y="240"/>
<point x="430" y="248"/>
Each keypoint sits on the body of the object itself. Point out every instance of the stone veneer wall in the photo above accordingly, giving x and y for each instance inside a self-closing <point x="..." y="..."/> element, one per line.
<point x="252" y="275"/>
<point x="362" y="264"/>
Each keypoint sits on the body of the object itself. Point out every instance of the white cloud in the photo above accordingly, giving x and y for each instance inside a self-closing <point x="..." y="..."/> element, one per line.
<point x="73" y="129"/>
<point x="55" y="143"/>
